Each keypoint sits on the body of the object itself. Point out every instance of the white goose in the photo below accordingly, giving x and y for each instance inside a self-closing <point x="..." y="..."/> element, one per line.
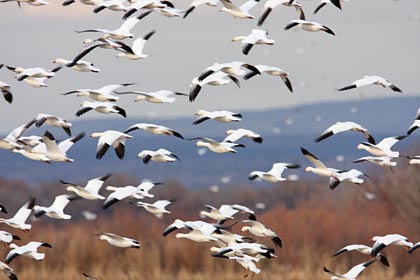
<point x="319" y="167"/>
<point x="34" y="72"/>
<point x="29" y="250"/>
<point x="29" y="153"/>
<point x="53" y="120"/>
<point x="351" y="175"/>
<point x="56" y="209"/>
<point x="110" y="138"/>
<point x="241" y="12"/>
<point x="216" y="79"/>
<point x="336" y="3"/>
<point x="274" y="174"/>
<point x="383" y="148"/>
<point x="19" y="219"/>
<point x="272" y="4"/>
<point x="339" y="127"/>
<point x="199" y="231"/>
<point x="154" y="129"/>
<point x="236" y="134"/>
<point x="80" y="65"/>
<point x="220" y="116"/>
<point x="220" y="214"/>
<point x="256" y="37"/>
<point x="230" y="68"/>
<point x="390" y="239"/>
<point x="136" y="50"/>
<point x="247" y="262"/>
<point x="259" y="229"/>
<point x="366" y="250"/>
<point x="160" y="96"/>
<point x="194" y="4"/>
<point x="143" y="5"/>
<point x="273" y="71"/>
<point x="371" y="80"/>
<point x="113" y="5"/>
<point x="101" y="94"/>
<point x="119" y="241"/>
<point x="381" y="161"/>
<point x="160" y="155"/>
<point x="7" y="237"/>
<point x="11" y="140"/>
<point x="309" y="26"/>
<point x="217" y="147"/>
<point x="253" y="249"/>
<point x="158" y="208"/>
<point x="91" y="190"/>
<point x="101" y="107"/>
<point x="5" y="90"/>
<point x="351" y="274"/>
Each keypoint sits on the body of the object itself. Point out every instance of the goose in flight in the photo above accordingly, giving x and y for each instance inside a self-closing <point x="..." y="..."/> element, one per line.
<point x="7" y="237"/>
<point x="351" y="175"/>
<point x="160" y="96"/>
<point x="29" y="250"/>
<point x="121" y="32"/>
<point x="220" y="116"/>
<point x="319" y="167"/>
<point x="322" y="4"/>
<point x="216" y="79"/>
<point x="100" y="107"/>
<point x="154" y="129"/>
<point x="199" y="231"/>
<point x="217" y="147"/>
<point x="247" y="262"/>
<point x="113" y="5"/>
<point x="274" y="174"/>
<point x="259" y="229"/>
<point x="10" y="142"/>
<point x="19" y="219"/>
<point x="136" y="50"/>
<point x="101" y="94"/>
<point x="366" y="250"/>
<point x="158" y="208"/>
<point x="371" y="80"/>
<point x="5" y="90"/>
<point x="256" y="37"/>
<point x="10" y="273"/>
<point x="119" y="241"/>
<point x="52" y="120"/>
<point x="236" y="134"/>
<point x="143" y="4"/>
<point x="270" y="5"/>
<point x="161" y="155"/>
<point x="230" y="68"/>
<point x="252" y="249"/>
<point x="194" y="4"/>
<point x="390" y="239"/>
<point x="309" y="26"/>
<point x="273" y="71"/>
<point x="80" y="65"/>
<point x="34" y="72"/>
<point x="351" y="274"/>
<point x="381" y="161"/>
<point x="91" y="190"/>
<point x="225" y="212"/>
<point x="241" y="12"/>
<point x="383" y="148"/>
<point x="54" y="151"/>
<point x="29" y="153"/>
<point x="339" y="127"/>
<point x="110" y="138"/>
<point x="56" y="209"/>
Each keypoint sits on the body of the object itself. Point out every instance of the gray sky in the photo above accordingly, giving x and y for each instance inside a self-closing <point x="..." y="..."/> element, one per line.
<point x="373" y="37"/>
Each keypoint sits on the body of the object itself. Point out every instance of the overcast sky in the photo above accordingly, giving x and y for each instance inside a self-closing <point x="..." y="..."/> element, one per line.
<point x="373" y="37"/>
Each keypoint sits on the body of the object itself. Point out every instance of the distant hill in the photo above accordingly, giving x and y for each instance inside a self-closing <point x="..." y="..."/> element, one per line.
<point x="284" y="132"/>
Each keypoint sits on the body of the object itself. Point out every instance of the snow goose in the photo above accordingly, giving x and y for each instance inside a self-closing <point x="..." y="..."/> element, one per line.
<point x="80" y="65"/>
<point x="272" y="4"/>
<point x="8" y="271"/>
<point x="160" y="155"/>
<point x="199" y="231"/>
<point x="5" y="90"/>
<point x="414" y="247"/>
<point x="220" y="214"/>
<point x="217" y="147"/>
<point x="415" y="124"/>
<point x="136" y="50"/>
<point x="253" y="249"/>
<point x="158" y="208"/>
<point x="220" y="116"/>
<point x="18" y="220"/>
<point x="256" y="37"/>
<point x="259" y="229"/>
<point x="110" y="138"/>
<point x="226" y="237"/>
<point x="216" y="79"/>
<point x="319" y="167"/>
<point x="241" y="12"/>
<point x="351" y="274"/>
<point x="371" y="80"/>
<point x="56" y="209"/>
<point x="390" y="239"/>
<point x="54" y="151"/>
<point x="383" y="148"/>
<point x="247" y="262"/>
<point x="381" y="161"/>
<point x="101" y="94"/>
<point x="309" y="26"/>
<point x="7" y="237"/>
<point x="351" y="175"/>
<point x="160" y="96"/>
<point x="273" y="71"/>
<point x="154" y="129"/>
<point x="119" y="241"/>
<point x="121" y="32"/>
<point x="34" y="72"/>
<point x="230" y="68"/>
<point x="321" y="4"/>
<point x="236" y="134"/>
<point x="100" y="107"/>
<point x="143" y="4"/>
<point x="169" y="10"/>
<point x="113" y="5"/>
<point x="29" y="153"/>
<point x="29" y="250"/>
<point x="10" y="141"/>
<point x="52" y="120"/>
<point x="274" y="174"/>
<point x="91" y="190"/>
<point x="194" y="4"/>
<point x="366" y="250"/>
<point x="339" y="127"/>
